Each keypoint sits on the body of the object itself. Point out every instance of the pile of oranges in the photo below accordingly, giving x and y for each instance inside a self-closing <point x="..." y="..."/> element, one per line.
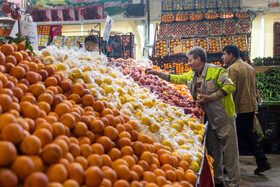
<point x="55" y="133"/>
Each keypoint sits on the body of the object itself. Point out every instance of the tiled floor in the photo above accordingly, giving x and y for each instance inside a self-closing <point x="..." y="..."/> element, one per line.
<point x="267" y="179"/>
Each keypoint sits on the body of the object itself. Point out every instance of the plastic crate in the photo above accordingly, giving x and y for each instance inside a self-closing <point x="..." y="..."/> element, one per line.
<point x="199" y="4"/>
<point x="216" y="28"/>
<point x="166" y="5"/>
<point x="161" y="48"/>
<point x="189" y="5"/>
<point x="174" y="42"/>
<point x="234" y="3"/>
<point x="165" y="31"/>
<point x="210" y="4"/>
<point x="202" y="42"/>
<point x="177" y="5"/>
<point x="177" y="30"/>
<point x="187" y="44"/>
<point x="226" y="41"/>
<point x="202" y="29"/>
<point x="190" y="29"/>
<point x="214" y="45"/>
<point x="222" y="4"/>
<point x="244" y="26"/>
<point x="241" y="42"/>
<point x="229" y="27"/>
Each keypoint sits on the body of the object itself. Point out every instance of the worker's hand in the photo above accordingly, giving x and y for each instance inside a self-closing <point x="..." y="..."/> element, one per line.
<point x="202" y="99"/>
<point x="151" y="71"/>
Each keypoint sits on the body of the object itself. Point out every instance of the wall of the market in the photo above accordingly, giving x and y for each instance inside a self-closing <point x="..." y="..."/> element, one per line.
<point x="262" y="35"/>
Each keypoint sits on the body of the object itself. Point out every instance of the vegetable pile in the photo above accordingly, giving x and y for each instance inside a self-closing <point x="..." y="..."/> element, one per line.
<point x="269" y="84"/>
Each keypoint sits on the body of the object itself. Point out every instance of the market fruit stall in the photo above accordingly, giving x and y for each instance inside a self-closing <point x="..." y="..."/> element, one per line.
<point x="74" y="118"/>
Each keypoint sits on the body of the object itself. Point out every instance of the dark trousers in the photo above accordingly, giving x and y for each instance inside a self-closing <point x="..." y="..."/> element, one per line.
<point x="244" y="126"/>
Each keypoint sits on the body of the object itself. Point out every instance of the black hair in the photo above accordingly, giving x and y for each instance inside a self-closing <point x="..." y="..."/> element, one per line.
<point x="198" y="52"/>
<point x="91" y="38"/>
<point x="232" y="49"/>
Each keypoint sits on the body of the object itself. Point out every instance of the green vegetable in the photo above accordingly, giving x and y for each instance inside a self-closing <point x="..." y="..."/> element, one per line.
<point x="269" y="85"/>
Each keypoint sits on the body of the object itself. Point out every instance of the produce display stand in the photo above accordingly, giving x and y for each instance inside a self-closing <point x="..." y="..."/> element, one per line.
<point x="203" y="20"/>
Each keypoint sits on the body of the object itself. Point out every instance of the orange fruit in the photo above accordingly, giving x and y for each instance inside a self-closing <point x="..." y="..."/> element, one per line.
<point x="80" y="129"/>
<point x="184" y="164"/>
<point x="110" y="174"/>
<point x="51" y="153"/>
<point x="68" y="120"/>
<point x="147" y="156"/>
<point x="61" y="109"/>
<point x="138" y="169"/>
<point x="77" y="88"/>
<point x="36" y="179"/>
<point x="82" y="161"/>
<point x="8" y="178"/>
<point x="8" y="153"/>
<point x="126" y="150"/>
<point x="7" y="49"/>
<point x="44" y="106"/>
<point x="106" y="159"/>
<point x="86" y="150"/>
<point x="105" y="142"/>
<point x="32" y="66"/>
<point x="32" y="77"/>
<point x="130" y="160"/>
<point x="2" y="58"/>
<point x="114" y="153"/>
<point x="191" y="177"/>
<point x="97" y="148"/>
<point x="121" y="183"/>
<point x="84" y="140"/>
<point x="149" y="176"/>
<point x="23" y="166"/>
<point x="118" y="162"/>
<point x="159" y="172"/>
<point x="18" y="56"/>
<point x="135" y="184"/>
<point x="161" y="180"/>
<point x="93" y="176"/>
<point x="50" y="81"/>
<point x="66" y="85"/>
<point x="58" y="129"/>
<point x="38" y="163"/>
<point x="165" y="159"/>
<point x="144" y="165"/>
<point x="63" y="145"/>
<point x="45" y="97"/>
<point x="30" y="145"/>
<point x="12" y="132"/>
<point x="111" y="132"/>
<point x="97" y="126"/>
<point x="106" y="183"/>
<point x="5" y="102"/>
<point x="21" y="46"/>
<point x="170" y="175"/>
<point x="50" y="69"/>
<point x="95" y="160"/>
<point x="76" y="172"/>
<point x="123" y="172"/>
<point x="18" y="72"/>
<point x="31" y="111"/>
<point x="74" y="149"/>
<point x="98" y="106"/>
<point x="57" y="173"/>
<point x="70" y="183"/>
<point x="124" y="142"/>
<point x="87" y="100"/>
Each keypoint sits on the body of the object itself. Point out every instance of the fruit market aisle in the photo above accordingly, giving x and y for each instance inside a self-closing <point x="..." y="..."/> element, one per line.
<point x="269" y="178"/>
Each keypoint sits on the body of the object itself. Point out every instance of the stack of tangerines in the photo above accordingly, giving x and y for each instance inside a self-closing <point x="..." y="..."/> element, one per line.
<point x="55" y="133"/>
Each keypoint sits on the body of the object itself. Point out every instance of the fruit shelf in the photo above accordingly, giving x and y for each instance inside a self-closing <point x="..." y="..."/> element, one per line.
<point x="244" y="26"/>
<point x="216" y="28"/>
<point x="202" y="42"/>
<point x="229" y="27"/>
<point x="202" y="29"/>
<point x="226" y="41"/>
<point x="165" y="31"/>
<point x="190" y="29"/>
<point x="161" y="48"/>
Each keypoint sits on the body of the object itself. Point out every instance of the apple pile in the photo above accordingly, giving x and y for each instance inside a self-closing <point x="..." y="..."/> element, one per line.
<point x="165" y="92"/>
<point x="226" y="41"/>
<point x="187" y="45"/>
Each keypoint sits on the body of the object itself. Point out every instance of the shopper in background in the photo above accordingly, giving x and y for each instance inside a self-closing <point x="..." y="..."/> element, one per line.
<point x="245" y="99"/>
<point x="211" y="88"/>
<point x="91" y="43"/>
